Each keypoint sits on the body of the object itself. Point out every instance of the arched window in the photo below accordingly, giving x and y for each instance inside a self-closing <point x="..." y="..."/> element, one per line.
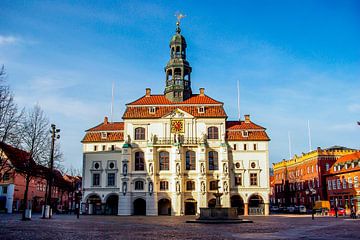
<point x="164" y="160"/>
<point x="140" y="133"/>
<point x="190" y="160"/>
<point x="213" y="160"/>
<point x="139" y="185"/>
<point x="213" y="133"/>
<point x="139" y="161"/>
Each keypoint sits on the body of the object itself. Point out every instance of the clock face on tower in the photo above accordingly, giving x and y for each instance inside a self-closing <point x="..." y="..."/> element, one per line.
<point x="177" y="126"/>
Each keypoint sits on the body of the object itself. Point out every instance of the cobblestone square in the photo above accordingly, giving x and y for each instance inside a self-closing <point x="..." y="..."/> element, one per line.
<point x="116" y="227"/>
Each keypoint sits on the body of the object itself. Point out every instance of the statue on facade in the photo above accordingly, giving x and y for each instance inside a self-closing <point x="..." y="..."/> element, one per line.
<point x="178" y="168"/>
<point x="151" y="169"/>
<point x="225" y="168"/>
<point x="150" y="187"/>
<point x="124" y="169"/>
<point x="226" y="187"/>
<point x="202" y="168"/>
<point x="178" y="187"/>
<point x="128" y="139"/>
<point x="203" y="188"/>
<point x="124" y="188"/>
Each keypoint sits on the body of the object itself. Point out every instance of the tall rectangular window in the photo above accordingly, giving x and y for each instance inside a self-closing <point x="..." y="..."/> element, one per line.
<point x="111" y="179"/>
<point x="356" y="181"/>
<point x="255" y="147"/>
<point x="253" y="179"/>
<point x="338" y="184"/>
<point x="238" y="180"/>
<point x="164" y="185"/>
<point x="329" y="184"/>
<point x="245" y="147"/>
<point x="350" y="182"/>
<point x="5" y="188"/>
<point x="344" y="183"/>
<point x="96" y="179"/>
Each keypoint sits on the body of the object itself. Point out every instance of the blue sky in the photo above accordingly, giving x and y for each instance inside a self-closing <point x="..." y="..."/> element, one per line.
<point x="295" y="60"/>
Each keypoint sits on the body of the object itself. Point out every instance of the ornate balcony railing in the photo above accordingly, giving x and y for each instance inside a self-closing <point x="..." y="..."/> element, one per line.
<point x="177" y="140"/>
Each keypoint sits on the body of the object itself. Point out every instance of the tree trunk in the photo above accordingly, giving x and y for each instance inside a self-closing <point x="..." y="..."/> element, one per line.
<point x="25" y="196"/>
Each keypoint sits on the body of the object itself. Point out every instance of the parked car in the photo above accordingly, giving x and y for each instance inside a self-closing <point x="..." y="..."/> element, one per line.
<point x="302" y="209"/>
<point x="341" y="212"/>
<point x="291" y="209"/>
<point x="274" y="208"/>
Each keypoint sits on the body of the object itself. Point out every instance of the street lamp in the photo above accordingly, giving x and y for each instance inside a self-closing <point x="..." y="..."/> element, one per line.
<point x="54" y="135"/>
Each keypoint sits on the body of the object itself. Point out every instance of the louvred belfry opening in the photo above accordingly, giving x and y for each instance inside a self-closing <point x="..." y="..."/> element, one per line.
<point x="178" y="70"/>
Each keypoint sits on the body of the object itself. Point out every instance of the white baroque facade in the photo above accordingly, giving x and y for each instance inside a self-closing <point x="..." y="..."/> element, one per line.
<point x="173" y="151"/>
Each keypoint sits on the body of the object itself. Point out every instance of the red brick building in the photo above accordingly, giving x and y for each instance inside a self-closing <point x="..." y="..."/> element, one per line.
<point x="13" y="183"/>
<point x="300" y="180"/>
<point x="343" y="182"/>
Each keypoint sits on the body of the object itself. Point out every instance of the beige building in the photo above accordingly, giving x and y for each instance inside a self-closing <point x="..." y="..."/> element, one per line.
<point x="173" y="151"/>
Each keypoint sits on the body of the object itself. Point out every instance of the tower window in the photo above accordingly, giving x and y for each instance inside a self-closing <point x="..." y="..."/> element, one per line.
<point x="245" y="133"/>
<point x="201" y="109"/>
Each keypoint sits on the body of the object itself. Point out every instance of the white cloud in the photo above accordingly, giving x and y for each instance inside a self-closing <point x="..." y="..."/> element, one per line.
<point x="5" y="40"/>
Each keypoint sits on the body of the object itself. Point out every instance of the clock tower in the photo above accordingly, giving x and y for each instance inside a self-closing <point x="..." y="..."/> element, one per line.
<point x="178" y="70"/>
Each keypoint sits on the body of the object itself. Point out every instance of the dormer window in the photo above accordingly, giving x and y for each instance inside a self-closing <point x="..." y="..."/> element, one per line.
<point x="201" y="109"/>
<point x="152" y="110"/>
<point x="334" y="168"/>
<point x="245" y="133"/>
<point x="103" y="135"/>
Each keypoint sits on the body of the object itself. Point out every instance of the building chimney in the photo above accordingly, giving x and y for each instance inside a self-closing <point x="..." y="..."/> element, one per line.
<point x="148" y="92"/>
<point x="247" y="118"/>
<point x="106" y="120"/>
<point x="202" y="91"/>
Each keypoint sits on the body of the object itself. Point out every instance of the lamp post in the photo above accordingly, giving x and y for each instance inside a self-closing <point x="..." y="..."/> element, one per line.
<point x="54" y="135"/>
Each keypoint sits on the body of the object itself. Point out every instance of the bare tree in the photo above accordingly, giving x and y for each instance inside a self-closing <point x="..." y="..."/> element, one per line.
<point x="10" y="118"/>
<point x="35" y="140"/>
<point x="72" y="171"/>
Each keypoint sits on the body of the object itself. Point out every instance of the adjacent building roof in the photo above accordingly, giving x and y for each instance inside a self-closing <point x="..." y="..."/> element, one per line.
<point x="19" y="159"/>
<point x="347" y="159"/>
<point x="105" y="132"/>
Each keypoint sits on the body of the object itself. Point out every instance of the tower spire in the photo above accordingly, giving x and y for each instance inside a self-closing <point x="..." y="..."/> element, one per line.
<point x="178" y="70"/>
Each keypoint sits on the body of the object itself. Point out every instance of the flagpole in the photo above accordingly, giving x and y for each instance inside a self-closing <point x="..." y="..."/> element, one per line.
<point x="238" y="100"/>
<point x="289" y="145"/>
<point x="309" y="132"/>
<point x="112" y="102"/>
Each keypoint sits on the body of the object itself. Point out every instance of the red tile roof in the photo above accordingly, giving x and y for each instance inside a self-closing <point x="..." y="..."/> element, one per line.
<point x="234" y="131"/>
<point x="20" y="159"/>
<point x="346" y="159"/>
<point x="143" y="112"/>
<point x="108" y="126"/>
<point x="162" y="100"/>
<point x="237" y="125"/>
<point x="252" y="136"/>
<point x="96" y="137"/>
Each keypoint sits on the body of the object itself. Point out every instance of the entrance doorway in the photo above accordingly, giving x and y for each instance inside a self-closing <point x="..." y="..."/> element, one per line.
<point x="237" y="202"/>
<point x="94" y="204"/>
<point x="139" y="207"/>
<point x="111" y="207"/>
<point x="164" y="207"/>
<point x="256" y="205"/>
<point x="190" y="207"/>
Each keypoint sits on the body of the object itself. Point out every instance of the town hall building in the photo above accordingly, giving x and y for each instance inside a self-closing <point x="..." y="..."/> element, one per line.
<point x="172" y="151"/>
